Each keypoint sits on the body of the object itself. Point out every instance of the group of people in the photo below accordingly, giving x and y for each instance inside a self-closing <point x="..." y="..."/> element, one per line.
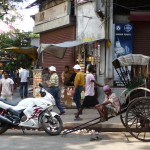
<point x="7" y="84"/>
<point x="111" y="103"/>
<point x="77" y="79"/>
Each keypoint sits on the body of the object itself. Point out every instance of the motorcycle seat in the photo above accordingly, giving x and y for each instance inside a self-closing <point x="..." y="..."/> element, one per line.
<point x="12" y="103"/>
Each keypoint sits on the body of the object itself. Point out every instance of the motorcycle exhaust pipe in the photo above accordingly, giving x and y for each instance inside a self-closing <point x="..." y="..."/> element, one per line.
<point x="5" y="120"/>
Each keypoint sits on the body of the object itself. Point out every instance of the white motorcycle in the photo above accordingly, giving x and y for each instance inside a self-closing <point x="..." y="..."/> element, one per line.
<point x="31" y="113"/>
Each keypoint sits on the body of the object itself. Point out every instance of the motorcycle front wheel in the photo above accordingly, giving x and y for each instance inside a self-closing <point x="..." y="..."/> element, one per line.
<point x="52" y="125"/>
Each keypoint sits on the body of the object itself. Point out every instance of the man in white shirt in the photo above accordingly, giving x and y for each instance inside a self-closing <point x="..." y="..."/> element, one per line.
<point x="6" y="87"/>
<point x="23" y="75"/>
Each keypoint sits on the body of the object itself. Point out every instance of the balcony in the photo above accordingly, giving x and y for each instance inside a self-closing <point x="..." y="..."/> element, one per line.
<point x="64" y="21"/>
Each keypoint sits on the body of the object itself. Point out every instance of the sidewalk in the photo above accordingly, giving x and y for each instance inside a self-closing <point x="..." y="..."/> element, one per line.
<point x="111" y="125"/>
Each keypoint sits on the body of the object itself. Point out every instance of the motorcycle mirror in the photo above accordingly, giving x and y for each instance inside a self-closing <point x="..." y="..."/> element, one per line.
<point x="42" y="94"/>
<point x="40" y="85"/>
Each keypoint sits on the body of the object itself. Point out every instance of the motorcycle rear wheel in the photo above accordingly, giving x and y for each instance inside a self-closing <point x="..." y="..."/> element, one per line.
<point x="3" y="127"/>
<point x="52" y="125"/>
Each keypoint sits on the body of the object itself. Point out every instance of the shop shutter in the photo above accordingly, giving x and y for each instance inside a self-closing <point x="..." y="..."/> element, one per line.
<point x="59" y="36"/>
<point x="141" y="39"/>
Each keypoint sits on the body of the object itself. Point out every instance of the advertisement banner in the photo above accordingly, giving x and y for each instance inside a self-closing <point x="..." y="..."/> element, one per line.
<point x="122" y="45"/>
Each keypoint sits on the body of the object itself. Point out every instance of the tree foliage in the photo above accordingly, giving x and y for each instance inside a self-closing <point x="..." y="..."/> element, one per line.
<point x="17" y="60"/>
<point x="17" y="39"/>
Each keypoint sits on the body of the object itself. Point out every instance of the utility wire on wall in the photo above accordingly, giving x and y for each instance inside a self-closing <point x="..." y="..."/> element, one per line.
<point x="122" y="6"/>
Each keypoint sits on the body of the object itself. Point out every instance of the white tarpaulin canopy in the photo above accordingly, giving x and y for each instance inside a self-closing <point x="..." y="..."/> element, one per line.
<point x="58" y="50"/>
<point x="134" y="59"/>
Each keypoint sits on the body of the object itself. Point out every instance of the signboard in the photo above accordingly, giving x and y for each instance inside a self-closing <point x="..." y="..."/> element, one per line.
<point x="123" y="45"/>
<point x="52" y="13"/>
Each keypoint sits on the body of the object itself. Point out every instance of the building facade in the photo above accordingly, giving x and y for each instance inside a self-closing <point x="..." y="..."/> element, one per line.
<point x="99" y="21"/>
<point x="56" y="23"/>
<point x="137" y="15"/>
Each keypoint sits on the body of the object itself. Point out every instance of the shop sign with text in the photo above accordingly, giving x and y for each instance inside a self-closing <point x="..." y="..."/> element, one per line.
<point x="122" y="45"/>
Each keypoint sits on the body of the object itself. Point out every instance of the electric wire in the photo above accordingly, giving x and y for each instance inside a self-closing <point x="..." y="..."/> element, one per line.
<point x="131" y="8"/>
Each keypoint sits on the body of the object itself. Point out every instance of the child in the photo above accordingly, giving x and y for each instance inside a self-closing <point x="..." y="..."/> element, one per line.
<point x="111" y="104"/>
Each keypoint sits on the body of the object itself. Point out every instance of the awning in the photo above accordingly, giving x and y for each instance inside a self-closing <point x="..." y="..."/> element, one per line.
<point x="58" y="50"/>
<point x="29" y="51"/>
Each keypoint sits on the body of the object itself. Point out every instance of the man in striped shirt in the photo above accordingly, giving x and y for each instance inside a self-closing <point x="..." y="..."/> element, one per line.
<point x="54" y="88"/>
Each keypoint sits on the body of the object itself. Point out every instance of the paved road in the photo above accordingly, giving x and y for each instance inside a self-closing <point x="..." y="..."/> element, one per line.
<point x="35" y="140"/>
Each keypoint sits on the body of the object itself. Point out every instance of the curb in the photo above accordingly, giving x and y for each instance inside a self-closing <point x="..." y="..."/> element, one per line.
<point x="98" y="127"/>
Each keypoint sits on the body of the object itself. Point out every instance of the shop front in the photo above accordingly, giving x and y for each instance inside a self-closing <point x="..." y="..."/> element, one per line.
<point x="86" y="53"/>
<point x="139" y="19"/>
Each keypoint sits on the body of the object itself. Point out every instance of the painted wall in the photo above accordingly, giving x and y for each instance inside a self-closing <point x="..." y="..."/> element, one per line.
<point x="35" y="42"/>
<point x="90" y="26"/>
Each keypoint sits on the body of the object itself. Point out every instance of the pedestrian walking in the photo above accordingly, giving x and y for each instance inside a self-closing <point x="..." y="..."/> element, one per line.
<point x="6" y="86"/>
<point x="78" y="86"/>
<point x="90" y="99"/>
<point x="24" y="77"/>
<point x="53" y="88"/>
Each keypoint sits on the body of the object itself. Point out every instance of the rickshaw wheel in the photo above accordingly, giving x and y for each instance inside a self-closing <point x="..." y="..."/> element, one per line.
<point x="122" y="118"/>
<point x="138" y="119"/>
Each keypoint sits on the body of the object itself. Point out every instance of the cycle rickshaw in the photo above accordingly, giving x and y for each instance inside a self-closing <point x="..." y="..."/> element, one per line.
<point x="133" y="71"/>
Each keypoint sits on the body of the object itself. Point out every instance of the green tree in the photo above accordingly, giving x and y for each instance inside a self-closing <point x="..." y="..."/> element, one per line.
<point x="18" y="60"/>
<point x="10" y="6"/>
<point x="17" y="39"/>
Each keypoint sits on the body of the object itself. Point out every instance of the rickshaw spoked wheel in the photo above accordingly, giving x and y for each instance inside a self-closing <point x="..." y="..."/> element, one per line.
<point x="135" y="94"/>
<point x="122" y="118"/>
<point x="137" y="119"/>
